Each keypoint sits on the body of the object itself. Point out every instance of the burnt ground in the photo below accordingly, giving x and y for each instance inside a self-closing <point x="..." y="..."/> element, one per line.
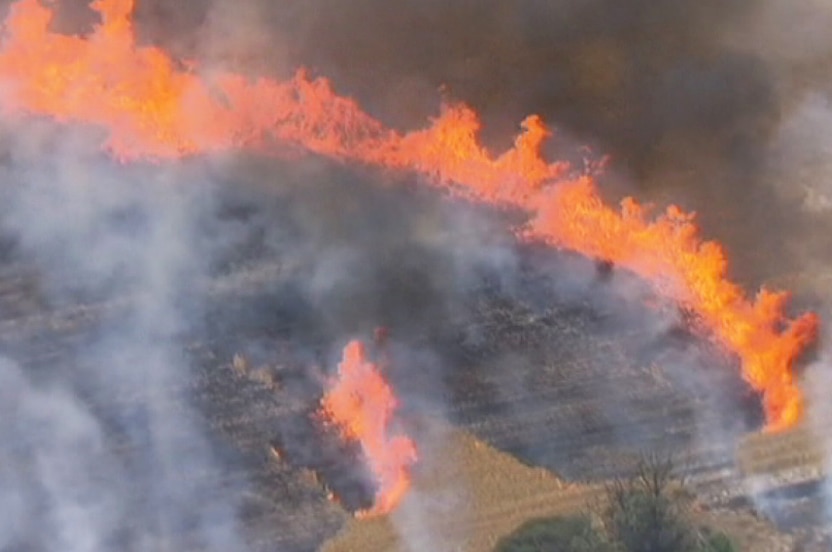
<point x="562" y="363"/>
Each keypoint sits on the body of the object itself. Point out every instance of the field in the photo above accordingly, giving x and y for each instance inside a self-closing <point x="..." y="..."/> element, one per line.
<point x="532" y="397"/>
<point x="489" y="493"/>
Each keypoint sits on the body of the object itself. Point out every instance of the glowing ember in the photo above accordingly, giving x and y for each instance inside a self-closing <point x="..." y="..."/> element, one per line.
<point x="152" y="108"/>
<point x="361" y="404"/>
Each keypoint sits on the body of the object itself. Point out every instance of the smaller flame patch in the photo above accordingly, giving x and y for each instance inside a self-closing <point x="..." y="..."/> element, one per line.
<point x="361" y="403"/>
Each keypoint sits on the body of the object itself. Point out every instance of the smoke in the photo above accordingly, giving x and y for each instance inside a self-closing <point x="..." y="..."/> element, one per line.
<point x="101" y="447"/>
<point x="52" y="447"/>
<point x="799" y="172"/>
<point x="142" y="246"/>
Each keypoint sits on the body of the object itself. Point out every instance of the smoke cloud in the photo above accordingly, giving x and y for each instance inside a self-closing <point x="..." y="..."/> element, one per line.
<point x="101" y="445"/>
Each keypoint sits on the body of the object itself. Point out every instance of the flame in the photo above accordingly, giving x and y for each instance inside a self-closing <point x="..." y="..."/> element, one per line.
<point x="361" y="403"/>
<point x="154" y="108"/>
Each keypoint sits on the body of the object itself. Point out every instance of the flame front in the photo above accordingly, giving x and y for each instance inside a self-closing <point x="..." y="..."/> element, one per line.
<point x="362" y="404"/>
<point x="152" y="107"/>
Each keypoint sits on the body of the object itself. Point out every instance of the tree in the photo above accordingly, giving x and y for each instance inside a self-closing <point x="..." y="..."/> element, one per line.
<point x="558" y="534"/>
<point x="649" y="512"/>
<point x="645" y="514"/>
<point x="715" y="542"/>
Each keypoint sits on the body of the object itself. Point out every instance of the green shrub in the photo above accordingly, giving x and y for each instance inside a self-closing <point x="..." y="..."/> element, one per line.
<point x="560" y="534"/>
<point x="716" y="542"/>
<point x="648" y="512"/>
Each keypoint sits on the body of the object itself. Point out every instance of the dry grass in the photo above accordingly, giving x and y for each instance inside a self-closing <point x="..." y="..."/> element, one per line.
<point x="468" y="495"/>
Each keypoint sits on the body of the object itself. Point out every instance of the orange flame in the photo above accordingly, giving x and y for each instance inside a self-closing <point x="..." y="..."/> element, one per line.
<point x="361" y="403"/>
<point x="151" y="107"/>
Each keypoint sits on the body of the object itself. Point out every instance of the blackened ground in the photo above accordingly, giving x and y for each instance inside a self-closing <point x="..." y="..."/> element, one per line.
<point x="545" y="356"/>
<point x="536" y="352"/>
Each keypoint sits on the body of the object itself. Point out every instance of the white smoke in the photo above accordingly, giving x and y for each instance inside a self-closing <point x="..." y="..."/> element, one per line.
<point x="818" y="385"/>
<point x="61" y="484"/>
<point x="104" y="450"/>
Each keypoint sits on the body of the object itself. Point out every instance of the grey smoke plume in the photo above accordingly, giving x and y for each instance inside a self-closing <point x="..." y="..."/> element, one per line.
<point x="102" y="448"/>
<point x="53" y="458"/>
<point x="139" y="246"/>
